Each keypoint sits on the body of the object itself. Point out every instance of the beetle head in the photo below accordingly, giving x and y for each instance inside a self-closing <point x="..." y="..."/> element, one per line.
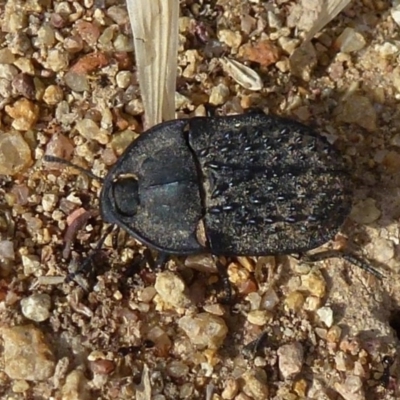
<point x="125" y="193"/>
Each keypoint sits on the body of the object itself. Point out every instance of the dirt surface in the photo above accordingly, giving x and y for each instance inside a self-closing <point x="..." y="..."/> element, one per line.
<point x="68" y="88"/>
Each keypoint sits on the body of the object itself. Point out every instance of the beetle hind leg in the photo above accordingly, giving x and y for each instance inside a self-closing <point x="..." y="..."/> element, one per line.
<point x="88" y="262"/>
<point x="226" y="284"/>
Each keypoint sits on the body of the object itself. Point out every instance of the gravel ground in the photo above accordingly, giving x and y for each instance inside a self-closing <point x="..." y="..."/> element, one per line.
<point x="68" y="88"/>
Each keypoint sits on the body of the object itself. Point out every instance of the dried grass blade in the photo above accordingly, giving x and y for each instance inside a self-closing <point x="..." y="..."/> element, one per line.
<point x="155" y="30"/>
<point x="327" y="10"/>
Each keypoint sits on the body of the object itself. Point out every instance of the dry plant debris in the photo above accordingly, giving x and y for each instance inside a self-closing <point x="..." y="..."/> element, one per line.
<point x="69" y="87"/>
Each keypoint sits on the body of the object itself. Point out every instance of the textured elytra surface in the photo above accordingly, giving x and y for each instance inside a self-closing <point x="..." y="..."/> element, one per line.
<point x="270" y="185"/>
<point x="260" y="184"/>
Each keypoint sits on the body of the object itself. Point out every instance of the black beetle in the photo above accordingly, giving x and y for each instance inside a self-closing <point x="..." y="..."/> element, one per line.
<point x="246" y="185"/>
<point x="239" y="185"/>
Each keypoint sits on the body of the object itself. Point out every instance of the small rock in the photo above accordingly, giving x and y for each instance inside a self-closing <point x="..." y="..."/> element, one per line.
<point x="147" y="294"/>
<point x="351" y="389"/>
<point x="343" y="362"/>
<point x="315" y="284"/>
<point x="49" y="202"/>
<point x="171" y="289"/>
<point x="325" y="315"/>
<point x="288" y="45"/>
<point x="321" y="332"/>
<point x="57" y="60"/>
<point x="237" y="274"/>
<point x="23" y="85"/>
<point x="357" y="109"/>
<point x="231" y="388"/>
<point x="88" y="31"/>
<point x="46" y="36"/>
<point x="76" y="387"/>
<point x="8" y="72"/>
<point x="312" y="303"/>
<point x="177" y="369"/>
<point x="219" y="94"/>
<point x="350" y="345"/>
<point x="204" y="330"/>
<point x="365" y="212"/>
<point x="53" y="94"/>
<point x="123" y="43"/>
<point x="334" y="333"/>
<point x="300" y="387"/>
<point x="15" y="154"/>
<point x="186" y="391"/>
<point x="391" y="161"/>
<point x="25" y="114"/>
<point x="350" y="41"/>
<point x="383" y="249"/>
<point x="160" y="339"/>
<point x="120" y="141"/>
<point x="25" y="65"/>
<point x="294" y="300"/>
<point x="290" y="359"/>
<point x="269" y="300"/>
<point x="255" y="300"/>
<point x="387" y="49"/>
<point x="230" y="38"/>
<point x="59" y="146"/>
<point x="264" y="52"/>
<point x="273" y="20"/>
<point x="123" y="79"/>
<point x="6" y="56"/>
<point x="259" y="317"/>
<point x="36" y="307"/>
<point x="102" y="366"/>
<point x="255" y="384"/>
<point x="20" y="386"/>
<point x="91" y="131"/>
<point x="215" y="309"/>
<point x="118" y="14"/>
<point x="181" y="101"/>
<point x="26" y="354"/>
<point x="76" y="81"/>
<point x="7" y="250"/>
<point x="303" y="61"/>
<point x="31" y="265"/>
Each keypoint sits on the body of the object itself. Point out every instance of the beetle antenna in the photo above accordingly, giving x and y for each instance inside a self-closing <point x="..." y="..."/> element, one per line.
<point x="59" y="160"/>
<point x="351" y="258"/>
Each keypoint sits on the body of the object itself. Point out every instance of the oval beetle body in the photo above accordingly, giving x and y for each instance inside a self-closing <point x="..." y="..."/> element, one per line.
<point x="245" y="185"/>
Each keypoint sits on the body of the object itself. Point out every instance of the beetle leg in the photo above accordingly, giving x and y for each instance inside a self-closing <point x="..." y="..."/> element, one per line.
<point x="222" y="271"/>
<point x="386" y="375"/>
<point x="88" y="261"/>
<point x="255" y="111"/>
<point x="352" y="258"/>
<point x="59" y="160"/>
<point x="125" y="350"/>
<point x="210" y="110"/>
<point x="254" y="347"/>
<point x="161" y="260"/>
<point x="115" y="238"/>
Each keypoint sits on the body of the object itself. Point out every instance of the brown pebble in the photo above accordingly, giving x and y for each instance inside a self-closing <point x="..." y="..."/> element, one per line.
<point x="23" y="85"/>
<point x="102" y="367"/>
<point x="89" y="63"/>
<point x="263" y="52"/>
